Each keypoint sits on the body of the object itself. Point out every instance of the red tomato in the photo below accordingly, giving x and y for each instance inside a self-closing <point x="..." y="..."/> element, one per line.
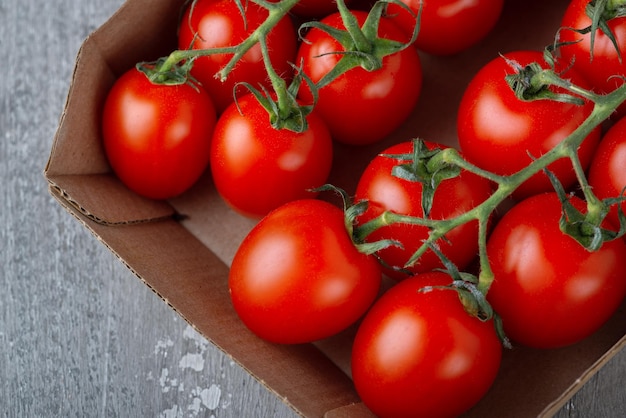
<point x="361" y="107"/>
<point x="606" y="60"/>
<point x="420" y="354"/>
<point x="157" y="137"/>
<point x="448" y="26"/>
<point x="218" y="23"/>
<point x="257" y="168"/>
<point x="316" y="9"/>
<point x="453" y="197"/>
<point x="607" y="172"/>
<point x="548" y="289"/>
<point x="497" y="131"/>
<point x="297" y="277"/>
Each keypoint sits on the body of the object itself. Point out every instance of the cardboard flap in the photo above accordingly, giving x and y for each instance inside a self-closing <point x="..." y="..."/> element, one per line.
<point x="105" y="200"/>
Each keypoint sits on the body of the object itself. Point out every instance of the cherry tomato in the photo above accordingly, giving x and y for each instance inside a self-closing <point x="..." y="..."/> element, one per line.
<point x="386" y="192"/>
<point x="297" y="276"/>
<point x="448" y="26"/>
<point x="420" y="354"/>
<point x="257" y="168"/>
<point x="157" y="137"/>
<point x="361" y="107"/>
<point x="604" y="71"/>
<point x="219" y="23"/>
<point x="548" y="289"/>
<point x="607" y="172"/>
<point x="316" y="9"/>
<point x="498" y="132"/>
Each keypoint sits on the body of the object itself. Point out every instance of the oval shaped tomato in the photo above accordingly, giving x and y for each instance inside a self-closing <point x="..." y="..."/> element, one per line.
<point x="607" y="69"/>
<point x="607" y="172"/>
<point x="360" y="106"/>
<point x="502" y="134"/>
<point x="219" y="23"/>
<point x="297" y="276"/>
<point x="448" y="26"/>
<point x="257" y="168"/>
<point x="548" y="289"/>
<point x="386" y="192"/>
<point x="420" y="354"/>
<point x="157" y="137"/>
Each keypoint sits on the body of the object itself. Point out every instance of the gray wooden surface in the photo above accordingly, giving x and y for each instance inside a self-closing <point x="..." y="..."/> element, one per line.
<point x="79" y="334"/>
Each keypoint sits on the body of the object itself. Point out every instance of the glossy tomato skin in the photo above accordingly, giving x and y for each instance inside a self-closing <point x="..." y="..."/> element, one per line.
<point x="316" y="9"/>
<point x="420" y="354"/>
<point x="549" y="291"/>
<point x="217" y="24"/>
<point x="297" y="276"/>
<point x="453" y="197"/>
<point x="157" y="138"/>
<point x="448" y="26"/>
<point x="257" y="168"/>
<point x="361" y="107"/>
<point x="606" y="60"/>
<point x="497" y="131"/>
<point x="607" y="172"/>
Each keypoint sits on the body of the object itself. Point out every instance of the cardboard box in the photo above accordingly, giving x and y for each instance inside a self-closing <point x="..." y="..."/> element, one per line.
<point x="185" y="260"/>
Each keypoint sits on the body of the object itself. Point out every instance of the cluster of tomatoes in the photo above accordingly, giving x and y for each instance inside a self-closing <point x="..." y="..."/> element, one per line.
<point x="431" y="344"/>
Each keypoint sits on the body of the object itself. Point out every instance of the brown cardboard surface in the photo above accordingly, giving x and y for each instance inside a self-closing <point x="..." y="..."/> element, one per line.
<point x="185" y="258"/>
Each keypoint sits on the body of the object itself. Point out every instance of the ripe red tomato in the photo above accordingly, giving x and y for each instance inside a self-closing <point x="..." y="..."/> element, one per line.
<point x="361" y="107"/>
<point x="218" y="23"/>
<point x="606" y="60"/>
<point x="607" y="172"/>
<point x="420" y="354"/>
<point x="548" y="289"/>
<point x="448" y="26"/>
<point x="455" y="196"/>
<point x="316" y="9"/>
<point x="157" y="137"/>
<point x="297" y="276"/>
<point x="497" y="131"/>
<point x="257" y="168"/>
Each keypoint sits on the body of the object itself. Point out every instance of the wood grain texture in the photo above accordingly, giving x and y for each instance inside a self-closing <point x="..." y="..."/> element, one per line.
<point x="79" y="334"/>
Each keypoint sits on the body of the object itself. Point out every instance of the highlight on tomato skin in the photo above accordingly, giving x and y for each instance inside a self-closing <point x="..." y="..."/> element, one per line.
<point x="420" y="354"/>
<point x="386" y="192"/>
<point x="607" y="172"/>
<point x="361" y="107"/>
<point x="448" y="27"/>
<point x="297" y="276"/>
<point x="157" y="137"/>
<point x="548" y="289"/>
<point x="217" y="24"/>
<point x="502" y="134"/>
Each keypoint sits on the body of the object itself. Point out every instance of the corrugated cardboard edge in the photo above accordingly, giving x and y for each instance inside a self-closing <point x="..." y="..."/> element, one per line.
<point x="193" y="282"/>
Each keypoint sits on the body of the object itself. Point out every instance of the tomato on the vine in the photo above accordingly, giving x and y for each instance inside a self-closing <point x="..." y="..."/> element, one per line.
<point x="503" y="134"/>
<point x="387" y="192"/>
<point x="257" y="168"/>
<point x="606" y="71"/>
<point x="219" y="23"/>
<point x="297" y="276"/>
<point x="548" y="289"/>
<point x="420" y="354"/>
<point x="316" y="9"/>
<point x="157" y="137"/>
<point x="448" y="26"/>
<point x="607" y="172"/>
<point x="360" y="106"/>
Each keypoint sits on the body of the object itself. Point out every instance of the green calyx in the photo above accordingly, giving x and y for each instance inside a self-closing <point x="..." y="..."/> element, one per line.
<point x="362" y="47"/>
<point x="427" y="167"/>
